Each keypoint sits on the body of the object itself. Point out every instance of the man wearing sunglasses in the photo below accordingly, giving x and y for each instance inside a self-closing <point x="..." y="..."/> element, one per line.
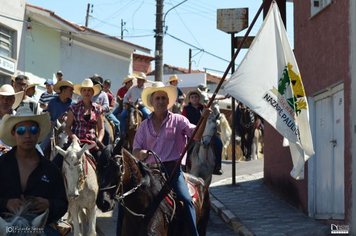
<point x="25" y="175"/>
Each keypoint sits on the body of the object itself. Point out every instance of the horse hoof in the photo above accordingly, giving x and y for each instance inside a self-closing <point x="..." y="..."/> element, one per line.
<point x="218" y="172"/>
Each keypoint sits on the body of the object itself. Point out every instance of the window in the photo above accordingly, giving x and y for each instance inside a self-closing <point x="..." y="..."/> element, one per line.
<point x="7" y="39"/>
<point x="318" y="5"/>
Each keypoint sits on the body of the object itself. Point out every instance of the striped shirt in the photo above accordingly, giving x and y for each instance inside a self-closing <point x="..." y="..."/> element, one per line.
<point x="170" y="140"/>
<point x="46" y="97"/>
<point x="81" y="128"/>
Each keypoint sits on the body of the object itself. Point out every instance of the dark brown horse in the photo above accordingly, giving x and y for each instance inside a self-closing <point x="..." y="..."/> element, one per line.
<point x="133" y="121"/>
<point x="137" y="190"/>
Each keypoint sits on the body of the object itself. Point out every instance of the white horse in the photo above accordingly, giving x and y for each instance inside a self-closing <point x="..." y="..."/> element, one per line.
<point x="202" y="156"/>
<point x="225" y="133"/>
<point x="81" y="187"/>
<point x="16" y="224"/>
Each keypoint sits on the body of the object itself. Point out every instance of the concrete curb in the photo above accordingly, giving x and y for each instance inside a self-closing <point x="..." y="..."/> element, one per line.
<point x="229" y="218"/>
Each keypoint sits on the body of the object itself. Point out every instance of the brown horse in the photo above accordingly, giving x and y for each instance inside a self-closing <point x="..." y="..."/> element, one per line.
<point x="137" y="188"/>
<point x="133" y="121"/>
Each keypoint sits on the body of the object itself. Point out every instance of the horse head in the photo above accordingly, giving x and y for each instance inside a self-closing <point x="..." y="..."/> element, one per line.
<point x="20" y="221"/>
<point x="139" y="186"/>
<point x="73" y="167"/>
<point x="109" y="184"/>
<point x="210" y="129"/>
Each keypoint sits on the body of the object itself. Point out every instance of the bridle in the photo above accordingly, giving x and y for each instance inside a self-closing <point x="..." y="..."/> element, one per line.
<point x="121" y="195"/>
<point x="82" y="175"/>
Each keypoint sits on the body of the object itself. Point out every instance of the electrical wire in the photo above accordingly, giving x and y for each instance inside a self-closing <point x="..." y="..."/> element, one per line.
<point x="201" y="49"/>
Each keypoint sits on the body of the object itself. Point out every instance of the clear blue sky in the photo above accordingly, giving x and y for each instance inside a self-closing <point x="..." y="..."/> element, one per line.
<point x="193" y="22"/>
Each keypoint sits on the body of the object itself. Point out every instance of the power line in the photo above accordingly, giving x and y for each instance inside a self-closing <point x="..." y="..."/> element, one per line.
<point x="200" y="49"/>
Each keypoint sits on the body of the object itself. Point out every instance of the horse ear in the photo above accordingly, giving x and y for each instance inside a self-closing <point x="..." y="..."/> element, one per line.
<point x="60" y="150"/>
<point x="40" y="221"/>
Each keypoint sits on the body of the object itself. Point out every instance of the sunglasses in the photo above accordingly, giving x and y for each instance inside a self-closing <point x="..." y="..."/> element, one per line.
<point x="21" y="130"/>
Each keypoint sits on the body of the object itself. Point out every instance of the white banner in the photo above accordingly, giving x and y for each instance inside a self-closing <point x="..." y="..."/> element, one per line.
<point x="268" y="82"/>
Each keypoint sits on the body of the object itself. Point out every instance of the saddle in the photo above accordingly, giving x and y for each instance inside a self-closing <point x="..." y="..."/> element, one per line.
<point x="195" y="185"/>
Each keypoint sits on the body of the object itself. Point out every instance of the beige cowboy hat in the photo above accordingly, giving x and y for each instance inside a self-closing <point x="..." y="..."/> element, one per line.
<point x="59" y="84"/>
<point x="87" y="83"/>
<point x="128" y="78"/>
<point x="159" y="86"/>
<point x="173" y="78"/>
<point x="140" y="75"/>
<point x="195" y="91"/>
<point x="8" y="90"/>
<point x="23" y="114"/>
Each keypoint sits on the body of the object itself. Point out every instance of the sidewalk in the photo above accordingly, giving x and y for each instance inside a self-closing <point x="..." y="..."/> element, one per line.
<point x="251" y="208"/>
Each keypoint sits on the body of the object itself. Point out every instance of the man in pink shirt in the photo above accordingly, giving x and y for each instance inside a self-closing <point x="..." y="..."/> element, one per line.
<point x="166" y="133"/>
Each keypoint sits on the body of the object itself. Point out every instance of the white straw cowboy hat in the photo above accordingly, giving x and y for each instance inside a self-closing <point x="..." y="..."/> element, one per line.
<point x="128" y="78"/>
<point x="8" y="90"/>
<point x="140" y="75"/>
<point x="23" y="114"/>
<point x="87" y="83"/>
<point x="59" y="84"/>
<point x="159" y="86"/>
<point x="173" y="78"/>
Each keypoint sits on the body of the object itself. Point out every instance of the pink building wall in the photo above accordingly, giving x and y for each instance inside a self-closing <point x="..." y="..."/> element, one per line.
<point x="322" y="52"/>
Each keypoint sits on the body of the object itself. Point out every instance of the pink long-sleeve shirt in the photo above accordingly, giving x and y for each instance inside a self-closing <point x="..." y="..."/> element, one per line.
<point x="168" y="143"/>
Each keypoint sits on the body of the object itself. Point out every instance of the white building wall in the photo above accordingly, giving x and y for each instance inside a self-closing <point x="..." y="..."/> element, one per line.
<point x="353" y="111"/>
<point x="12" y="15"/>
<point x="79" y="61"/>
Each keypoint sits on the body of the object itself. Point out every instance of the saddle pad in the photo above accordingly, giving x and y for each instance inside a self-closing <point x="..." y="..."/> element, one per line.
<point x="195" y="186"/>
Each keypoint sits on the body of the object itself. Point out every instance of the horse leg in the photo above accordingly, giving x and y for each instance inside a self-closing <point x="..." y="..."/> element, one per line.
<point x="74" y="212"/>
<point x="254" y="146"/>
<point x="205" y="214"/>
<point x="91" y="220"/>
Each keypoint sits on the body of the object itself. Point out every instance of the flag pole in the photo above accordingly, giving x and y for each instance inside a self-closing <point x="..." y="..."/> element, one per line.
<point x="232" y="62"/>
<point x="166" y="187"/>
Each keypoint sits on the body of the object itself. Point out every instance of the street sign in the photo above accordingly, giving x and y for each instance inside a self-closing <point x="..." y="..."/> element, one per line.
<point x="232" y="20"/>
<point x="246" y="44"/>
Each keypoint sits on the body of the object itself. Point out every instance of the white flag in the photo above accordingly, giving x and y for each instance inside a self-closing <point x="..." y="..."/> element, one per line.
<point x="269" y="83"/>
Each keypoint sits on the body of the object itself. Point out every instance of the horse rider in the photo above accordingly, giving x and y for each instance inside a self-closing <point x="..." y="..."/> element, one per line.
<point x="193" y="112"/>
<point x="106" y="89"/>
<point x="132" y="96"/>
<point x="9" y="101"/>
<point x="58" y="106"/>
<point x="26" y="176"/>
<point x="47" y="96"/>
<point x="23" y="83"/>
<point x="85" y="120"/>
<point x="165" y="133"/>
<point x="59" y="76"/>
<point x="103" y="100"/>
<point x="128" y="82"/>
<point x="173" y="80"/>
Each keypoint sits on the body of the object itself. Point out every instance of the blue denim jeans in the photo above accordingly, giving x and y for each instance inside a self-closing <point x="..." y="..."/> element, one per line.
<point x="218" y="150"/>
<point x="116" y="122"/>
<point x="181" y="189"/>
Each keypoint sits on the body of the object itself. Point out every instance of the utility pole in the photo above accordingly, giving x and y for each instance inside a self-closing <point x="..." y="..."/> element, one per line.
<point x="87" y="14"/>
<point x="190" y="61"/>
<point x="159" y="41"/>
<point x="122" y="28"/>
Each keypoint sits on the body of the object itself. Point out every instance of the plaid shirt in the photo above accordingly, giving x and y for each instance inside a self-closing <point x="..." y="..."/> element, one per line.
<point x="81" y="128"/>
